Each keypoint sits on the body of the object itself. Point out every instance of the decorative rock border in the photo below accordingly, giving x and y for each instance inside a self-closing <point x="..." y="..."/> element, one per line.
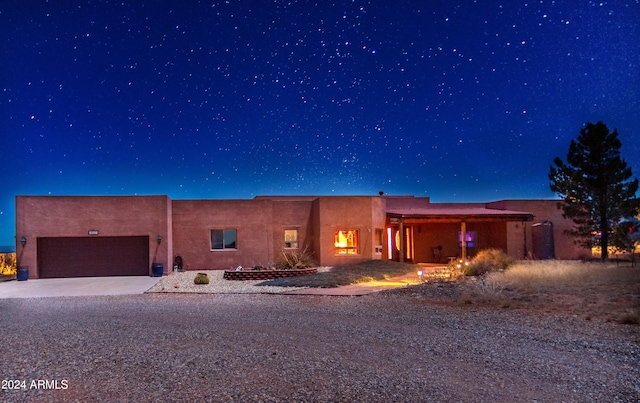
<point x="243" y="275"/>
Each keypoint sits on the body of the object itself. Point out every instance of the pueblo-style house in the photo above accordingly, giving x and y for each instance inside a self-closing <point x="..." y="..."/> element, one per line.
<point x="75" y="236"/>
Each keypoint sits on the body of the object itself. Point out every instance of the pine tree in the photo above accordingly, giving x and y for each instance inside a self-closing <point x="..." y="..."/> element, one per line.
<point x="595" y="185"/>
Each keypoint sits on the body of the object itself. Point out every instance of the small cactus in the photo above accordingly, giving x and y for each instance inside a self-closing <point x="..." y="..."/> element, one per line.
<point x="201" y="278"/>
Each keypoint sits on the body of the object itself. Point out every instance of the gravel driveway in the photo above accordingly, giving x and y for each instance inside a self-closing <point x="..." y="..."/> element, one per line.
<point x="377" y="348"/>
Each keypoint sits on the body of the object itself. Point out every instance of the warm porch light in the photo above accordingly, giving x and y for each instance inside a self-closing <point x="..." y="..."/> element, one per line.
<point x="460" y="263"/>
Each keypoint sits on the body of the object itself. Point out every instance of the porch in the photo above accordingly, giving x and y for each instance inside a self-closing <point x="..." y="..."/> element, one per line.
<point x="434" y="234"/>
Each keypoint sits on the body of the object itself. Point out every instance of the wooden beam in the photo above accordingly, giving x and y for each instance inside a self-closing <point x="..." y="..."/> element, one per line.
<point x="402" y="245"/>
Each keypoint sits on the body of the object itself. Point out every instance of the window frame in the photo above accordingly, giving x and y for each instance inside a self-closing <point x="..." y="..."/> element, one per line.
<point x="224" y="240"/>
<point x="379" y="234"/>
<point x="290" y="244"/>
<point x="347" y="250"/>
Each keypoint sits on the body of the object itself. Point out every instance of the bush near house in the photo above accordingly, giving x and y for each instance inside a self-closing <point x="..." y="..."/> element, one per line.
<point x="294" y="259"/>
<point x="486" y="261"/>
<point x="201" y="278"/>
<point x="8" y="264"/>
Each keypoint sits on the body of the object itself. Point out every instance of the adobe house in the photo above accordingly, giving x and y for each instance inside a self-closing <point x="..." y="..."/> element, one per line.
<point x="75" y="236"/>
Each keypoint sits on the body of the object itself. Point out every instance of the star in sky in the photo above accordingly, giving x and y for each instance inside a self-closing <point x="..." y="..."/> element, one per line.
<point x="460" y="101"/>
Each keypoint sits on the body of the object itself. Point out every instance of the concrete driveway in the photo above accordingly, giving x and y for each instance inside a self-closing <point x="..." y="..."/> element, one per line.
<point x="72" y="287"/>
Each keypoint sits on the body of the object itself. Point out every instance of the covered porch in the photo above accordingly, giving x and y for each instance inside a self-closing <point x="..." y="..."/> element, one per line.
<point x="439" y="234"/>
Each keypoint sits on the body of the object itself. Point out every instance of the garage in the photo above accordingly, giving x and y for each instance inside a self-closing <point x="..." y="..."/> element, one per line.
<point x="93" y="256"/>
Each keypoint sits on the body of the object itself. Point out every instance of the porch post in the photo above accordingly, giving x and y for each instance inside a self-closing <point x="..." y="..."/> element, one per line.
<point x="524" y="230"/>
<point x="402" y="245"/>
<point x="463" y="231"/>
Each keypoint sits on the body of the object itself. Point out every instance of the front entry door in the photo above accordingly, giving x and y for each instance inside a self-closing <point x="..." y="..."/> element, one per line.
<point x="400" y="247"/>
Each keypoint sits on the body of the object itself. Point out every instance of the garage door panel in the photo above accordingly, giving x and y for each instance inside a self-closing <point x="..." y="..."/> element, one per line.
<point x="93" y="256"/>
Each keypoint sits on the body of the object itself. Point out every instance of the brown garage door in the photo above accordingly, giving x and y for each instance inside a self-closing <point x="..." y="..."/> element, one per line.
<point x="93" y="256"/>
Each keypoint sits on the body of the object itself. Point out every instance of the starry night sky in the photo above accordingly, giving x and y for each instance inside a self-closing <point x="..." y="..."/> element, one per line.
<point x="456" y="100"/>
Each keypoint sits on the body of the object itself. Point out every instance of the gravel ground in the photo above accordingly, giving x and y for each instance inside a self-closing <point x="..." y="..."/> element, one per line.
<point x="183" y="283"/>
<point x="276" y="348"/>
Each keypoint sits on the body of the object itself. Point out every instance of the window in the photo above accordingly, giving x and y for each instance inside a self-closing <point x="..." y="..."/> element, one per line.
<point x="223" y="239"/>
<point x="379" y="236"/>
<point x="346" y="242"/>
<point x="291" y="238"/>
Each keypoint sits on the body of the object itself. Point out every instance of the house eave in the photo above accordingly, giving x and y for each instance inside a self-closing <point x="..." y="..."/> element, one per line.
<point x="454" y="216"/>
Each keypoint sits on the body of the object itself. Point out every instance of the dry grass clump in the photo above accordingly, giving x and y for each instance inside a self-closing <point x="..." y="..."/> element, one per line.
<point x="629" y="318"/>
<point x="591" y="290"/>
<point x="564" y="276"/>
<point x="484" y="290"/>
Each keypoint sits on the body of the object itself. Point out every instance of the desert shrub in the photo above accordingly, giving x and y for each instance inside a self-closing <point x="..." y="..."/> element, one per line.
<point x="486" y="261"/>
<point x="293" y="259"/>
<point x="8" y="264"/>
<point x="455" y="269"/>
<point x="629" y="318"/>
<point x="201" y="278"/>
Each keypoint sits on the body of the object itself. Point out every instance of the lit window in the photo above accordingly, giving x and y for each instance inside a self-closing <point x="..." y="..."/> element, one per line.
<point x="223" y="239"/>
<point x="346" y="242"/>
<point x="291" y="238"/>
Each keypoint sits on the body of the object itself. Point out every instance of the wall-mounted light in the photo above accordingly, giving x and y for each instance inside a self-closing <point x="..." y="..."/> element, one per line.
<point x="23" y="241"/>
<point x="159" y="239"/>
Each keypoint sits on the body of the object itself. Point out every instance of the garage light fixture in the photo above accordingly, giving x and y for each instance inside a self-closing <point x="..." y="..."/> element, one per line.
<point x="23" y="241"/>
<point x="159" y="239"/>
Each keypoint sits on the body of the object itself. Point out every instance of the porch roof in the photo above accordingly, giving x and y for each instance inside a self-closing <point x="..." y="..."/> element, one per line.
<point x="462" y="213"/>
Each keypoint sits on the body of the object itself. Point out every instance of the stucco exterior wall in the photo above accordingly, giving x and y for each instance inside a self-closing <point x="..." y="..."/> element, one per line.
<point x="64" y="216"/>
<point x="543" y="210"/>
<point x="260" y="225"/>
<point x="292" y="214"/>
<point x="429" y="235"/>
<point x="193" y="221"/>
<point x="378" y="223"/>
<point x="518" y="239"/>
<point x="491" y="235"/>
<point x="361" y="213"/>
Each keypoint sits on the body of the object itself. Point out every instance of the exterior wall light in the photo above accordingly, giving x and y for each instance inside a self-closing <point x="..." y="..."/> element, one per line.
<point x="23" y="241"/>
<point x="159" y="239"/>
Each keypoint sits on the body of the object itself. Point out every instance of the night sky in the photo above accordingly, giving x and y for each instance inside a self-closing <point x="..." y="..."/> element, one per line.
<point x="456" y="100"/>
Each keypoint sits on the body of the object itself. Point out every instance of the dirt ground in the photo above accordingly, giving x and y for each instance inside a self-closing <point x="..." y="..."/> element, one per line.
<point x="606" y="303"/>
<point x="379" y="347"/>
